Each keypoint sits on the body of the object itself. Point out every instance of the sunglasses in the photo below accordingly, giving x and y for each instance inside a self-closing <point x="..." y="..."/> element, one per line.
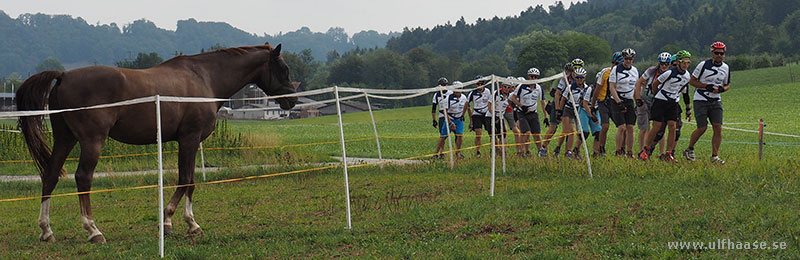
<point x="628" y="58"/>
<point x="663" y="63"/>
<point x="720" y="53"/>
<point x="580" y="77"/>
<point x="685" y="61"/>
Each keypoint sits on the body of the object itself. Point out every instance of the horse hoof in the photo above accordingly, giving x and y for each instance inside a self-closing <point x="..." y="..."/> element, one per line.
<point x="47" y="237"/>
<point x="167" y="229"/>
<point x="196" y="231"/>
<point x="97" y="239"/>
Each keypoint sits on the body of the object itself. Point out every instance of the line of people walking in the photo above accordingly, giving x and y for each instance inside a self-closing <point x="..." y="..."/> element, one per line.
<point x="620" y="94"/>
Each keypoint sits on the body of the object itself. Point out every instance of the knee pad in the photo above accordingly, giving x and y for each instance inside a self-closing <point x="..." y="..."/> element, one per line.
<point x="659" y="135"/>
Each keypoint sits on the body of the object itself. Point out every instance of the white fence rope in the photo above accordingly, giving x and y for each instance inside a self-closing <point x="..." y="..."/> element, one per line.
<point x="749" y="131"/>
<point x="157" y="99"/>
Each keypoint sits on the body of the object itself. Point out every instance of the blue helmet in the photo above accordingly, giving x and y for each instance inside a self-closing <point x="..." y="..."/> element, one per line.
<point x="664" y="57"/>
<point x="616" y="57"/>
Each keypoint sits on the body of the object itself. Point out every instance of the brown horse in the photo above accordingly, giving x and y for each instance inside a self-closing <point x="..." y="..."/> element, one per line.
<point x="217" y="74"/>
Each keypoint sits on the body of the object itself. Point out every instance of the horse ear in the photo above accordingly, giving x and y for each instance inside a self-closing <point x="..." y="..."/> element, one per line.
<point x="277" y="51"/>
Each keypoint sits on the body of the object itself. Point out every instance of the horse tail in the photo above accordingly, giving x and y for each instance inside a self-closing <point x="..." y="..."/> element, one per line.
<point x="32" y="95"/>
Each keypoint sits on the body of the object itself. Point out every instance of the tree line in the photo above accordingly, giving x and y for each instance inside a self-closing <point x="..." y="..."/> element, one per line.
<point x="757" y="32"/>
<point x="29" y="39"/>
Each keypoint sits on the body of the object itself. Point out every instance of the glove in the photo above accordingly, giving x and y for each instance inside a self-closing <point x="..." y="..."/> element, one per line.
<point x="435" y="124"/>
<point x="594" y="119"/>
<point x="639" y="102"/>
<point x="710" y="88"/>
<point x="622" y="107"/>
<point x="722" y="89"/>
<point x="546" y="122"/>
<point x="594" y="110"/>
<point x="689" y="113"/>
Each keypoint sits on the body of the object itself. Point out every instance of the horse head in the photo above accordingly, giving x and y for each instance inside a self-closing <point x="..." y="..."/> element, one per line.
<point x="276" y="81"/>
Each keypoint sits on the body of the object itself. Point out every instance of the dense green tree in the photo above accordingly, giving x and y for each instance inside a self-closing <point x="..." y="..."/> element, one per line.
<point x="791" y="25"/>
<point x="544" y="52"/>
<point x="348" y="69"/>
<point x="142" y="61"/>
<point x="590" y="48"/>
<point x="301" y="66"/>
<point x="49" y="64"/>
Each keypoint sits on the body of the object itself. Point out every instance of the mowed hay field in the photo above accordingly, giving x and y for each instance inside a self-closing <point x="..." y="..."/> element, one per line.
<point x="542" y="208"/>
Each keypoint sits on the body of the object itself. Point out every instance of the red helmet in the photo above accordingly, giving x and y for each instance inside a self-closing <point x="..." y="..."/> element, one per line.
<point x="717" y="45"/>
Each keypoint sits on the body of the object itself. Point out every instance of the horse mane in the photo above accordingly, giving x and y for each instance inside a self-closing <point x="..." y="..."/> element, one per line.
<point x="235" y="51"/>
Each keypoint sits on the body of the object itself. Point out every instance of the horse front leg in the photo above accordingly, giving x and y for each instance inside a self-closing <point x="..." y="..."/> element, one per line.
<point x="186" y="159"/>
<point x="90" y="152"/>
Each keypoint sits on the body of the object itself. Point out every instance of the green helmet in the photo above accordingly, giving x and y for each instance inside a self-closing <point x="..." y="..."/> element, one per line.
<point x="683" y="54"/>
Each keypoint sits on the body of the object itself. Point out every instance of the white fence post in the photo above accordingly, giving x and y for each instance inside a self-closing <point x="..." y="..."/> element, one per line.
<point x="344" y="156"/>
<point x="494" y="152"/>
<point x="160" y="179"/>
<point x="578" y="126"/>
<point x="374" y="127"/>
<point x="447" y="125"/>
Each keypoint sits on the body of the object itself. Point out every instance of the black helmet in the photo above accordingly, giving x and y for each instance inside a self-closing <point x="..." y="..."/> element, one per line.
<point x="443" y="81"/>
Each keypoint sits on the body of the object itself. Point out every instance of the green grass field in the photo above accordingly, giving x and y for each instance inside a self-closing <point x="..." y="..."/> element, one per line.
<point x="543" y="208"/>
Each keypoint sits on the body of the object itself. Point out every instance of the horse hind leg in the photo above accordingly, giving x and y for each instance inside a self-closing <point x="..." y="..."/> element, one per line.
<point x="63" y="142"/>
<point x="187" y="155"/>
<point x="90" y="152"/>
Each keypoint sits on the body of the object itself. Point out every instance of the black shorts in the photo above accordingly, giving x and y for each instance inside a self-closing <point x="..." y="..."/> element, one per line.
<point x="605" y="112"/>
<point x="529" y="123"/>
<point x="705" y="111"/>
<point x="480" y="121"/>
<point x="569" y="112"/>
<point x="551" y="110"/>
<point x="623" y="117"/>
<point x="663" y="111"/>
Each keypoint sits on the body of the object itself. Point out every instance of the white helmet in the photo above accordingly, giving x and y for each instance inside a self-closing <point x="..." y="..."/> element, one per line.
<point x="580" y="72"/>
<point x="521" y="78"/>
<point x="457" y="83"/>
<point x="533" y="71"/>
<point x="664" y="57"/>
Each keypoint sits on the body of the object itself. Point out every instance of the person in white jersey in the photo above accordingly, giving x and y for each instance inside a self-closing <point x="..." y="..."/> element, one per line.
<point x="644" y="97"/>
<point x="438" y="102"/>
<point x="526" y="97"/>
<point x="572" y="99"/>
<point x="480" y="98"/>
<point x="668" y="87"/>
<point x="622" y="81"/>
<point x="710" y="78"/>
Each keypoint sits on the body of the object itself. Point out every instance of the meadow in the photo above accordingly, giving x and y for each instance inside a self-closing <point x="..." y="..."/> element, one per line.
<point x="542" y="208"/>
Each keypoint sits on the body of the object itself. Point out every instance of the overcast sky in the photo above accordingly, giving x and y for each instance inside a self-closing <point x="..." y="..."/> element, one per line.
<point x="271" y="17"/>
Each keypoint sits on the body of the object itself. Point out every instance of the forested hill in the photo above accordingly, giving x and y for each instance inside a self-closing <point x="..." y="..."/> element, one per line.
<point x="747" y="26"/>
<point x="27" y="40"/>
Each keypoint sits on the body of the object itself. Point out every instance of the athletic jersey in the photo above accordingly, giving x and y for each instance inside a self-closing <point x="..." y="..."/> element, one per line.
<point x="649" y="76"/>
<point x="577" y="95"/>
<point x="709" y="73"/>
<point x="625" y="79"/>
<point x="602" y="81"/>
<point x="455" y="105"/>
<point x="437" y="100"/>
<point x="500" y="103"/>
<point x="587" y="96"/>
<point x="527" y="96"/>
<point x="480" y="101"/>
<point x="672" y="84"/>
<point x="562" y="84"/>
